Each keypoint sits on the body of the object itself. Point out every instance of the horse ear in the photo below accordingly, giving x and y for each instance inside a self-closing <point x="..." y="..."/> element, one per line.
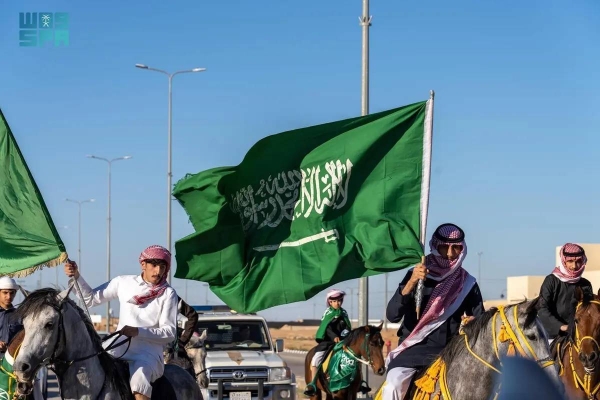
<point x="533" y="306"/>
<point x="204" y="335"/>
<point x="380" y="326"/>
<point x="367" y="328"/>
<point x="65" y="294"/>
<point x="25" y="292"/>
<point x="530" y="311"/>
<point x="578" y="294"/>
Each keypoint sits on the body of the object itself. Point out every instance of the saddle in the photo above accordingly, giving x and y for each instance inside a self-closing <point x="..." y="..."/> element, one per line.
<point x="161" y="388"/>
<point x="364" y="389"/>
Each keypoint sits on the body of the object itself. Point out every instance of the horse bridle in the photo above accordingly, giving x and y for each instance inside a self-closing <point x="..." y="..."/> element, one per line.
<point x="367" y="348"/>
<point x="175" y="350"/>
<point x="61" y="365"/>
<point x="586" y="382"/>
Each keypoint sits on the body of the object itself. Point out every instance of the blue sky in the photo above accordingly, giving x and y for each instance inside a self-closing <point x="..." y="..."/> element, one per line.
<point x="515" y="157"/>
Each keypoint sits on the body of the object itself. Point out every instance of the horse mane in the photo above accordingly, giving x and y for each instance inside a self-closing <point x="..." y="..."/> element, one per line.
<point x="357" y="333"/>
<point x="35" y="302"/>
<point x="472" y="329"/>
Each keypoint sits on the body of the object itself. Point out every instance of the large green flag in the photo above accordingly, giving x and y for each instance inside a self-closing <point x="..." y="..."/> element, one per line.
<point x="310" y="208"/>
<point x="28" y="237"/>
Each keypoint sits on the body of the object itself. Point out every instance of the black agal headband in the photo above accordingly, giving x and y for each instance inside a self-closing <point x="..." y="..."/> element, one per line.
<point x="441" y="238"/>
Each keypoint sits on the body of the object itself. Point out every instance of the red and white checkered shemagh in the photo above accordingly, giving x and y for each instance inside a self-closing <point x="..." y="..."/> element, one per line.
<point x="450" y="274"/>
<point x="562" y="272"/>
<point x="154" y="253"/>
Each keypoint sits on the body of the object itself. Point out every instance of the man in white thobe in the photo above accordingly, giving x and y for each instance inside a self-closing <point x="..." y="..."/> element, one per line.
<point x="148" y="313"/>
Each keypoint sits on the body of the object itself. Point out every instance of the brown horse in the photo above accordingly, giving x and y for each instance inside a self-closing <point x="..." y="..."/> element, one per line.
<point x="578" y="354"/>
<point x="366" y="346"/>
<point x="11" y="353"/>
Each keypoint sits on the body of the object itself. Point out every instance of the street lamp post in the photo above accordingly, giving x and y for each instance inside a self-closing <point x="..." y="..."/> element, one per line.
<point x="79" y="203"/>
<point x="169" y="145"/>
<point x="109" y="162"/>
<point x="479" y="267"/>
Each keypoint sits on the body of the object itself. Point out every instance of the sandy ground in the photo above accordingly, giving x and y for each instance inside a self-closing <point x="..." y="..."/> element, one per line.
<point x="303" y="338"/>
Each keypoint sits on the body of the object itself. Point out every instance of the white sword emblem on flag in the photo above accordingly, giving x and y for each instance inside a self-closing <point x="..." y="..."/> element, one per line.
<point x="329" y="236"/>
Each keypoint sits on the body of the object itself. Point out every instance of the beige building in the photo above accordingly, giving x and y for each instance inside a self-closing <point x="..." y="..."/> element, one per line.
<point x="518" y="288"/>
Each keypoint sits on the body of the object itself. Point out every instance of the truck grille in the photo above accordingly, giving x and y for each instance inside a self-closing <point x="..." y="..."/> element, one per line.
<point x="238" y="374"/>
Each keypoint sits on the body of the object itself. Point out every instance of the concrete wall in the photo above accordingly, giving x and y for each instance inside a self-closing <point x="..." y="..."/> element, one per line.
<point x="518" y="288"/>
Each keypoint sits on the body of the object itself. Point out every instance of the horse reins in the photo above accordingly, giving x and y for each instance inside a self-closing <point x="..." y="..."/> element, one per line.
<point x="368" y="361"/>
<point x="508" y="334"/>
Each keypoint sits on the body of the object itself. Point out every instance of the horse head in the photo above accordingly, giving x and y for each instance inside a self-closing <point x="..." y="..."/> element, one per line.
<point x="197" y="353"/>
<point x="478" y="351"/>
<point x="586" y="334"/>
<point x="523" y="334"/>
<point x="367" y="343"/>
<point x="45" y="314"/>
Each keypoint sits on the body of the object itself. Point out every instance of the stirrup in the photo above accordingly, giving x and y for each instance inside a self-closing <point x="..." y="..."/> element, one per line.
<point x="364" y="388"/>
<point x="310" y="390"/>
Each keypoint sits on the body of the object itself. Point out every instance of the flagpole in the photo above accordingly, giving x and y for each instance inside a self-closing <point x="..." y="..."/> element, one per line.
<point x="427" y="148"/>
<point x="363" y="288"/>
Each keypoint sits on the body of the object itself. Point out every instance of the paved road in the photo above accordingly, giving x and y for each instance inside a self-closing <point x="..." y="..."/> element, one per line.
<point x="296" y="363"/>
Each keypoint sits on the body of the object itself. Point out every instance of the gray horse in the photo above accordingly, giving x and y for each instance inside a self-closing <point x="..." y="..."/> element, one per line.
<point x="58" y="332"/>
<point x="191" y="358"/>
<point x="472" y="359"/>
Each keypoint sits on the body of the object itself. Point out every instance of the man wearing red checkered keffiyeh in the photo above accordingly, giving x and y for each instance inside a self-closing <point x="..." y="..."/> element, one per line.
<point x="558" y="290"/>
<point x="147" y="314"/>
<point x="449" y="293"/>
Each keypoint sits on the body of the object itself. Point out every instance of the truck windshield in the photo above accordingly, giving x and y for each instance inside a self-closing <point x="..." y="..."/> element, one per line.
<point x="234" y="335"/>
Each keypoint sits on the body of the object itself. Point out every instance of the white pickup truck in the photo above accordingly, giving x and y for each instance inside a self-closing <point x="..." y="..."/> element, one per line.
<point x="242" y="361"/>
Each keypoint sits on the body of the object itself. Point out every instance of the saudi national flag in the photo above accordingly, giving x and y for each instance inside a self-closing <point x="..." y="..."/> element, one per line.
<point x="28" y="237"/>
<point x="310" y="208"/>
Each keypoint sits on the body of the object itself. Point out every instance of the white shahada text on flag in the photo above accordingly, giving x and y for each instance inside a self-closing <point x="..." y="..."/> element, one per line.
<point x="293" y="194"/>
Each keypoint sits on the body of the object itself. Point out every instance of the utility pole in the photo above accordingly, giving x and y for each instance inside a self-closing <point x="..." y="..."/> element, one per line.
<point x="479" y="267"/>
<point x="363" y="289"/>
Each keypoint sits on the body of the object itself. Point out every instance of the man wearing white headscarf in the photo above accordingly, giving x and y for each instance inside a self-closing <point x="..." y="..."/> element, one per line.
<point x="334" y="326"/>
<point x="558" y="290"/>
<point x="10" y="324"/>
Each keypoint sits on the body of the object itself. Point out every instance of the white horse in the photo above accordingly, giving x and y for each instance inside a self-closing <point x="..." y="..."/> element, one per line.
<point x="59" y="333"/>
<point x="191" y="358"/>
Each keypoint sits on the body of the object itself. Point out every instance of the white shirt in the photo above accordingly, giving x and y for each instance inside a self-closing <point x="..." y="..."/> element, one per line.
<point x="155" y="320"/>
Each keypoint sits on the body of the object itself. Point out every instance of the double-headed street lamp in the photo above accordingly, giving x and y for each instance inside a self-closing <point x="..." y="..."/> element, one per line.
<point x="169" y="145"/>
<point x="109" y="162"/>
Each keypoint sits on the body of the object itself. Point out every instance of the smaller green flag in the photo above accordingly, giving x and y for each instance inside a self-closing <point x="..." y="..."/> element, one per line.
<point x="28" y="238"/>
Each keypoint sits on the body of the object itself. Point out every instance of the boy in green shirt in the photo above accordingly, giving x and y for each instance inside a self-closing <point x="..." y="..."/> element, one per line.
<point x="335" y="325"/>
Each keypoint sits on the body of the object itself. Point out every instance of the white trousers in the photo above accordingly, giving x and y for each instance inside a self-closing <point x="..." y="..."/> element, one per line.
<point x="317" y="358"/>
<point x="397" y="383"/>
<point x="145" y="365"/>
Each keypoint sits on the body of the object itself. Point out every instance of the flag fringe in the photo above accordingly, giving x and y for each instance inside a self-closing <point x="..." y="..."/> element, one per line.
<point x="52" y="263"/>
